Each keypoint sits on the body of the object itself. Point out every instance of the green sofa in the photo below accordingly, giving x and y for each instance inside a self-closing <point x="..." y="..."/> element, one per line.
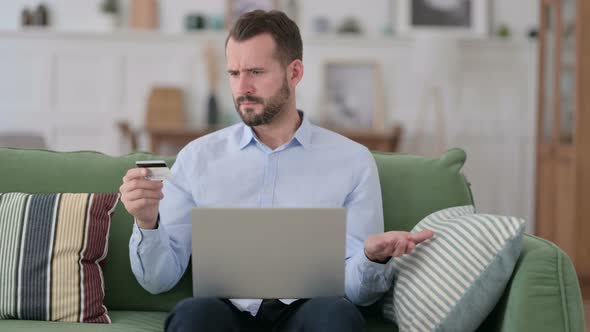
<point x="542" y="295"/>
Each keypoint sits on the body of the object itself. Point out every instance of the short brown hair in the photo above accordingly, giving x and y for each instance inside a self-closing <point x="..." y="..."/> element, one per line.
<point x="283" y="30"/>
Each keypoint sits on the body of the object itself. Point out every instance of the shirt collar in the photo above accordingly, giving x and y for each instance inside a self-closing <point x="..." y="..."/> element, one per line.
<point x="247" y="136"/>
<point x="302" y="134"/>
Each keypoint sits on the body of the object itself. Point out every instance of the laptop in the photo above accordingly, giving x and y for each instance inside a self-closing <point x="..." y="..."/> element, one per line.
<point x="268" y="253"/>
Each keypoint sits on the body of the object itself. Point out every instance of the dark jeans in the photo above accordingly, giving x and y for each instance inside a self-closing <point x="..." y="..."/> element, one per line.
<point x="318" y="314"/>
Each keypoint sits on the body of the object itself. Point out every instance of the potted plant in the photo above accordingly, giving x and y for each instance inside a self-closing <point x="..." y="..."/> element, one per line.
<point x="110" y="10"/>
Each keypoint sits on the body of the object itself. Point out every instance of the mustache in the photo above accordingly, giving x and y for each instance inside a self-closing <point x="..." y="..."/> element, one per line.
<point x="254" y="99"/>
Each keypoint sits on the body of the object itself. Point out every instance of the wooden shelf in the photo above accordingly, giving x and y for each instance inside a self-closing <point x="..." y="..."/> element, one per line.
<point x="329" y="40"/>
<point x="383" y="142"/>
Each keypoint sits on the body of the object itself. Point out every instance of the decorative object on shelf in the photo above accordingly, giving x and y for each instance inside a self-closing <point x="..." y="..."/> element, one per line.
<point x="165" y="108"/>
<point x="195" y="22"/>
<point x="212" y="111"/>
<point x="26" y="17"/>
<point x="388" y="28"/>
<point x="235" y="8"/>
<point x="504" y="31"/>
<point x="217" y="22"/>
<point x="533" y="33"/>
<point x="213" y="116"/>
<point x="41" y="16"/>
<point x="321" y="24"/>
<point x="144" y="14"/>
<point x="353" y="96"/>
<point x="350" y="25"/>
<point x="110" y="10"/>
<point x="435" y="61"/>
<point x="463" y="17"/>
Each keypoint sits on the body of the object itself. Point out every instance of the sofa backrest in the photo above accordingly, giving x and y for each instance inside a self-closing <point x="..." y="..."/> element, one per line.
<point x="38" y="171"/>
<point x="412" y="188"/>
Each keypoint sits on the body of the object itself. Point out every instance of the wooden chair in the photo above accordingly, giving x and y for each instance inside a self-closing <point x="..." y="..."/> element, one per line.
<point x="129" y="134"/>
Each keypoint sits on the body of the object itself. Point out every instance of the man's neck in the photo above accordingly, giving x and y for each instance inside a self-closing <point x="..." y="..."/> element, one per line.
<point x="281" y="130"/>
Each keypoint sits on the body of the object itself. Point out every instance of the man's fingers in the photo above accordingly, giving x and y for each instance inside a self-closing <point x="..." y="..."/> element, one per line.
<point x="135" y="173"/>
<point x="394" y="243"/>
<point x="140" y="184"/>
<point x="390" y="248"/>
<point x="145" y="184"/>
<point x="410" y="248"/>
<point x="421" y="236"/>
<point x="143" y="193"/>
<point x="400" y="248"/>
<point x="141" y="203"/>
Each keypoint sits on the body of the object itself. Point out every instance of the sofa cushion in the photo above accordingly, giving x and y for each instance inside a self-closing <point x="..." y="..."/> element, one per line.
<point x="52" y="247"/>
<point x="122" y="321"/>
<point x="453" y="281"/>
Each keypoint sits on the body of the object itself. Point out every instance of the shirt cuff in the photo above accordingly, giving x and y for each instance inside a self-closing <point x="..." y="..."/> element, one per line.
<point x="146" y="239"/>
<point x="372" y="273"/>
<point x="374" y="268"/>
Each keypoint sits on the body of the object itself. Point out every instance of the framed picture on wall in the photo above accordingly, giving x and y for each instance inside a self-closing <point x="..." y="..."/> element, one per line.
<point x="464" y="17"/>
<point x="235" y="8"/>
<point x="352" y="96"/>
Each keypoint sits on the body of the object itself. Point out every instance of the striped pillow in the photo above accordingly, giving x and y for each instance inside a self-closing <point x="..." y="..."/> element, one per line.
<point x="453" y="281"/>
<point x="52" y="248"/>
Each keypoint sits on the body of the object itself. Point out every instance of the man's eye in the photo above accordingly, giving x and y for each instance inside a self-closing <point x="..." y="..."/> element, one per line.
<point x="256" y="72"/>
<point x="233" y="74"/>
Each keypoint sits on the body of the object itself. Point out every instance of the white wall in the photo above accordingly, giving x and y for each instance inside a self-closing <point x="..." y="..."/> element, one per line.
<point x="74" y="87"/>
<point x="62" y="78"/>
<point x="80" y="14"/>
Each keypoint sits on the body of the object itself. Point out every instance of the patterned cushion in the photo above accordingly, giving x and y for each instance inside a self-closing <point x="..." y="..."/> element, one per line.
<point x="453" y="281"/>
<point x="52" y="247"/>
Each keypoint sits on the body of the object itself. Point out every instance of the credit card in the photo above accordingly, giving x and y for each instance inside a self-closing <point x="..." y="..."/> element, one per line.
<point x="159" y="171"/>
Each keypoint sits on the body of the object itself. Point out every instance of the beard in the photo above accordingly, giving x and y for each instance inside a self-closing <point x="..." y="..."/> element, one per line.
<point x="272" y="106"/>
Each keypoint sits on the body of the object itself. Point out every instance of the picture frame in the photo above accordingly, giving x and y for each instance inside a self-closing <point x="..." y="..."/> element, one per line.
<point x="468" y="18"/>
<point x="235" y="8"/>
<point x="352" y="96"/>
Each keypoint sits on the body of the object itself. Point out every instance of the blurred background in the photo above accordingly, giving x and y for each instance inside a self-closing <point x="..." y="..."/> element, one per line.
<point x="496" y="78"/>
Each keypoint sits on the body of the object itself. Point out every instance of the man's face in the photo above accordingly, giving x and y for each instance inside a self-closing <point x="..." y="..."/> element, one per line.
<point x="258" y="80"/>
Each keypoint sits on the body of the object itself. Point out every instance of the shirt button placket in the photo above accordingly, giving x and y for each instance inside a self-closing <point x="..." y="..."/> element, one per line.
<point x="269" y="180"/>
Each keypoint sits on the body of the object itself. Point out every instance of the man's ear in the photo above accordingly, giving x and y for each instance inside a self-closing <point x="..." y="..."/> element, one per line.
<point x="295" y="71"/>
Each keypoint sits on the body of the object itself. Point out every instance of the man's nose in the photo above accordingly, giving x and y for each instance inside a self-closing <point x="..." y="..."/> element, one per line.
<point x="245" y="85"/>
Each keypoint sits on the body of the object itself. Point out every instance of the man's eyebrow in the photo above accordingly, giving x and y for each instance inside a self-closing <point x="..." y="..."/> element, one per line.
<point x="245" y="69"/>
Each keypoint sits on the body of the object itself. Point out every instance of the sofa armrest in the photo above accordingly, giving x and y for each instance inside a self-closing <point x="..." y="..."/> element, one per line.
<point x="543" y="293"/>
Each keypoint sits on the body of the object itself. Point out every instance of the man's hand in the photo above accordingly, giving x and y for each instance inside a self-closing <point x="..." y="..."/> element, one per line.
<point x="141" y="197"/>
<point x="380" y="247"/>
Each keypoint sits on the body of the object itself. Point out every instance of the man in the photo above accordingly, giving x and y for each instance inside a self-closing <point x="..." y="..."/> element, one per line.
<point x="275" y="158"/>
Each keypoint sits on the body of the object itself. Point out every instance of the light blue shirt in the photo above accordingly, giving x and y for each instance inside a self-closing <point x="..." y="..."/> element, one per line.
<point x="233" y="168"/>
